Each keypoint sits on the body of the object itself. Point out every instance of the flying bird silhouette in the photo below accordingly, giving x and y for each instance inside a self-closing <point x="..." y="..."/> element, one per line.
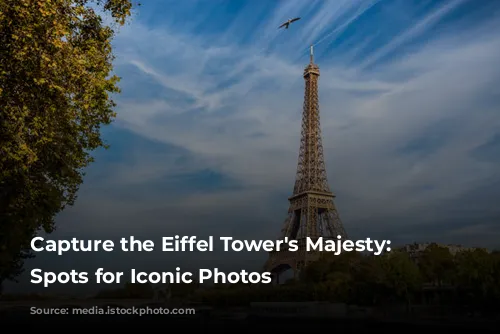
<point x="287" y="23"/>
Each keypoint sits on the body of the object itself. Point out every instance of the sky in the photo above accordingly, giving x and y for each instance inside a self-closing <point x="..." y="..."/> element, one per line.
<point x="208" y="127"/>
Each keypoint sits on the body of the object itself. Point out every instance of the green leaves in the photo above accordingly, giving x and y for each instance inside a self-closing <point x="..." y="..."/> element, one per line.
<point x="55" y="87"/>
<point x="396" y="276"/>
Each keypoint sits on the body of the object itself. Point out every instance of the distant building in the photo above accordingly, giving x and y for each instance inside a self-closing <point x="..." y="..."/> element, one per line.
<point x="416" y="249"/>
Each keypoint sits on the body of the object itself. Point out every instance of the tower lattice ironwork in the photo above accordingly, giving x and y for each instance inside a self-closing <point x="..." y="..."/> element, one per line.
<point x="312" y="212"/>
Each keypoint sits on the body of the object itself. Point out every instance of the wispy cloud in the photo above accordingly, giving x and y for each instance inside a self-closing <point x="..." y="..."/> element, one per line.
<point x="401" y="133"/>
<point x="417" y="29"/>
<point x="361" y="9"/>
<point x="383" y="111"/>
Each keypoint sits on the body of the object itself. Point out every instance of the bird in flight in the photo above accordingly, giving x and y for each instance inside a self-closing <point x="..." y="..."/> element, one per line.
<point x="287" y="23"/>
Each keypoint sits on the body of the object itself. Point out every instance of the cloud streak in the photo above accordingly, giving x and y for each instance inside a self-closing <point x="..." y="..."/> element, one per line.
<point x="417" y="29"/>
<point x="383" y="111"/>
<point x="402" y="130"/>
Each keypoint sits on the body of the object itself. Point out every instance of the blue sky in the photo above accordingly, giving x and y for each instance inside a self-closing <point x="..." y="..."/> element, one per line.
<point x="207" y="133"/>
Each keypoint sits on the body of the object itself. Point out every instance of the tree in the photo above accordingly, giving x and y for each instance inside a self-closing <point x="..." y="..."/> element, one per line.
<point x="477" y="276"/>
<point x="436" y="265"/>
<point x="335" y="277"/>
<point x="329" y="266"/>
<point x="399" y="274"/>
<point x="55" y="94"/>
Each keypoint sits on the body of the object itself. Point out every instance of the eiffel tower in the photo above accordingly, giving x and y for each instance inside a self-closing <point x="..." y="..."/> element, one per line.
<point x="312" y="212"/>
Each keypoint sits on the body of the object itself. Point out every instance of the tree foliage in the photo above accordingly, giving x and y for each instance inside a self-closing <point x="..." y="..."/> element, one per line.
<point x="352" y="277"/>
<point x="469" y="277"/>
<point x="55" y="94"/>
<point x="437" y="264"/>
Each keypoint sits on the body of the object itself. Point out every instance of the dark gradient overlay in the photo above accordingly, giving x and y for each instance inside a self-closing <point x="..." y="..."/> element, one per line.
<point x="205" y="144"/>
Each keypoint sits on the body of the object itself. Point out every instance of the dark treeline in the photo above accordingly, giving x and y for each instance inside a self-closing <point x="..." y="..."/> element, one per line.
<point x="434" y="276"/>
